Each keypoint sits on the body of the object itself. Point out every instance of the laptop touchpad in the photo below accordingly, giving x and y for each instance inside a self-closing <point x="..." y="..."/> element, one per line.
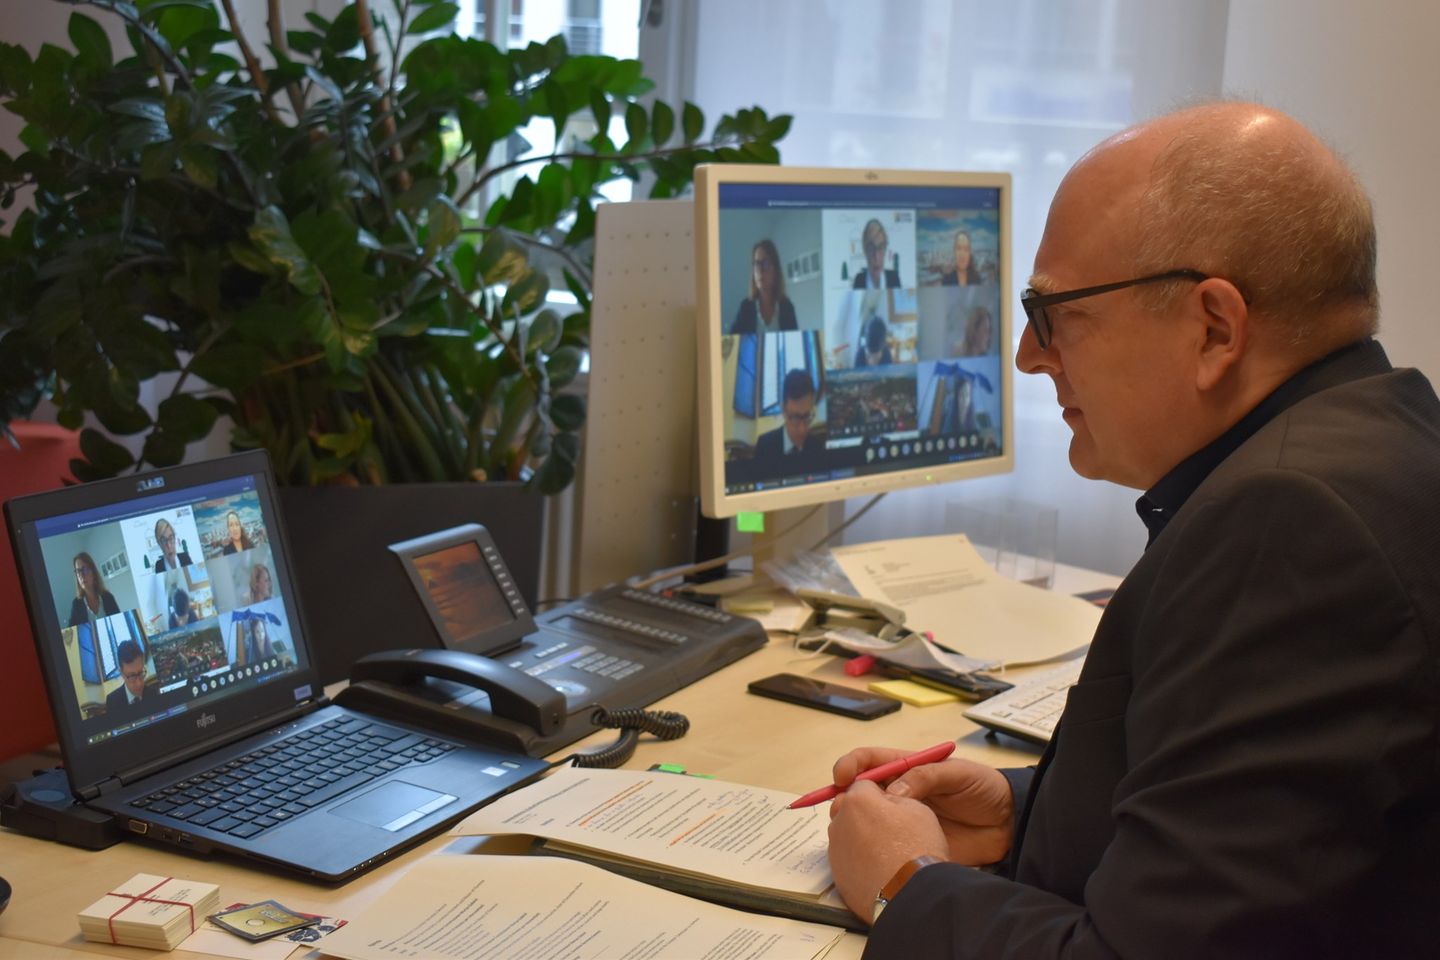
<point x="394" y="805"/>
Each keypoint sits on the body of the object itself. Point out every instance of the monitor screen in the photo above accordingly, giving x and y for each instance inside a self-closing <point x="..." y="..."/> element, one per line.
<point x="853" y="336"/>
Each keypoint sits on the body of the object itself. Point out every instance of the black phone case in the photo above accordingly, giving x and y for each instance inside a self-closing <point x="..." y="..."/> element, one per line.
<point x="884" y="705"/>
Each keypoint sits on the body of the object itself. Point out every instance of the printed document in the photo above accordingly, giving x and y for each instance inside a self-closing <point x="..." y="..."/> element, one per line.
<point x="947" y="589"/>
<point x="686" y="824"/>
<point x="537" y="908"/>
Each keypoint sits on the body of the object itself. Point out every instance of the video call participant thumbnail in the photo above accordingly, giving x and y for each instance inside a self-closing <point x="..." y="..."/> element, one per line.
<point x="767" y="308"/>
<point x="966" y="273"/>
<point x="876" y="244"/>
<point x="236" y="537"/>
<point x="874" y="344"/>
<point x="132" y="672"/>
<point x="92" y="600"/>
<point x="170" y="557"/>
<point x="794" y="437"/>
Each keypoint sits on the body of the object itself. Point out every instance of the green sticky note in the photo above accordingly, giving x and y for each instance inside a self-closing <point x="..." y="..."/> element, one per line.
<point x="668" y="768"/>
<point x="750" y="522"/>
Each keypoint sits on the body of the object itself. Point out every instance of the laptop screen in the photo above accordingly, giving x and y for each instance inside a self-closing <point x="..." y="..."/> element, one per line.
<point x="160" y="600"/>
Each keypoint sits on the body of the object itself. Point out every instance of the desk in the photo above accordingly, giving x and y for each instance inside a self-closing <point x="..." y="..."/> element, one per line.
<point x="733" y="736"/>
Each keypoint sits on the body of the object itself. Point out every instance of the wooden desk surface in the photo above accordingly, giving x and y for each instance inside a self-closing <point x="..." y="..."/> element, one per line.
<point x="733" y="736"/>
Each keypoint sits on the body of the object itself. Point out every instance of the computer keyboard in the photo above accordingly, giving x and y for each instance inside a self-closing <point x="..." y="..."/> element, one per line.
<point x="1032" y="707"/>
<point x="252" y="793"/>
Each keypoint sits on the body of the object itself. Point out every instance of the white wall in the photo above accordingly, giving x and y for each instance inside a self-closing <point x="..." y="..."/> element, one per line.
<point x="1366" y="77"/>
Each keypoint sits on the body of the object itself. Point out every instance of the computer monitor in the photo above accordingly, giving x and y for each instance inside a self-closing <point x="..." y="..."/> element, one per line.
<point x="853" y="332"/>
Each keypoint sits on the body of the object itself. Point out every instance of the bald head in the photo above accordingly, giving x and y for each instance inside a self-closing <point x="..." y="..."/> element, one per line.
<point x="1239" y="191"/>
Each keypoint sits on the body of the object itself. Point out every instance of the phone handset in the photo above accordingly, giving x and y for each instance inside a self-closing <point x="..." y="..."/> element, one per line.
<point x="513" y="694"/>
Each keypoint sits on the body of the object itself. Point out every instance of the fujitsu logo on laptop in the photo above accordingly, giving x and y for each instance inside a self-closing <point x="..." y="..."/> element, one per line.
<point x="150" y="483"/>
<point x="204" y="720"/>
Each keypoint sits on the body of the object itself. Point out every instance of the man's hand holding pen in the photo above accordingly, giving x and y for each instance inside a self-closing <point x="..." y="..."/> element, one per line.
<point x="956" y="810"/>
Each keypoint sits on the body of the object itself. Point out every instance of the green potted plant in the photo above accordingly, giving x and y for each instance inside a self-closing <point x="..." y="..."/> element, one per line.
<point x="300" y="243"/>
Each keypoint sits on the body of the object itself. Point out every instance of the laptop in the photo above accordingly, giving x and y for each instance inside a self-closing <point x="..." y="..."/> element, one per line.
<point x="184" y="691"/>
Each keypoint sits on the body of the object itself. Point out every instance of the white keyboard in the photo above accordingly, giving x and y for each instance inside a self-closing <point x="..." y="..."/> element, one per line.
<point x="1032" y="707"/>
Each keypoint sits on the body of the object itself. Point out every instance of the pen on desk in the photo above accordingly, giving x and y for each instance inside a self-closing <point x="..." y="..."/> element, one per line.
<point x="883" y="772"/>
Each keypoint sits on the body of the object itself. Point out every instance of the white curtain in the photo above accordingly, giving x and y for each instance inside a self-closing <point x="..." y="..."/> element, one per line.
<point x="1024" y="86"/>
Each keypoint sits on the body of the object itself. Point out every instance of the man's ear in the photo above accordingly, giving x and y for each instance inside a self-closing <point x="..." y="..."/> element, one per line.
<point x="1226" y="319"/>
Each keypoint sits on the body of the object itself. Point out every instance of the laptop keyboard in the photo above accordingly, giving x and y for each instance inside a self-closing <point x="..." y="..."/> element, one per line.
<point x="252" y="793"/>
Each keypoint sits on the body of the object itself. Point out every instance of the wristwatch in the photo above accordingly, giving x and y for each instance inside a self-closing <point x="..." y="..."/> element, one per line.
<point x="902" y="876"/>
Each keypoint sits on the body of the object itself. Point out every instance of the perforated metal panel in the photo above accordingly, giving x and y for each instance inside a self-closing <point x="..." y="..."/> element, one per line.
<point x="637" y="487"/>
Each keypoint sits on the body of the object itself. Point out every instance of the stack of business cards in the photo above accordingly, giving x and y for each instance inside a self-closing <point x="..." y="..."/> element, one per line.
<point x="149" y="911"/>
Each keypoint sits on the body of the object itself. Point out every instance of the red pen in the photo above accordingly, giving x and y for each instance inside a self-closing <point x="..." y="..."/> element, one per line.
<point x="883" y="772"/>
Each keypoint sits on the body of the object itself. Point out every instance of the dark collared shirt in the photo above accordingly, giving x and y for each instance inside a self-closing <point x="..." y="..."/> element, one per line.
<point x="1161" y="502"/>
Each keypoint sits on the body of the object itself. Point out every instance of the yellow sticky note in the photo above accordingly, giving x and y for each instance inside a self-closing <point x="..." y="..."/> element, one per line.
<point x="746" y="606"/>
<point x="908" y="691"/>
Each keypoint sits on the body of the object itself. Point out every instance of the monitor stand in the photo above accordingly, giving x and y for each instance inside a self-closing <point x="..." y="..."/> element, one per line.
<point x="788" y="533"/>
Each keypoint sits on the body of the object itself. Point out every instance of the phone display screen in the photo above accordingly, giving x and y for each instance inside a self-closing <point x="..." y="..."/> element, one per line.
<point x="463" y="591"/>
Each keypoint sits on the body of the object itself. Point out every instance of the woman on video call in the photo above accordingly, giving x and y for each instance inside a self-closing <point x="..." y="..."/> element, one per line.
<point x="92" y="600"/>
<point x="965" y="273"/>
<point x="236" y="539"/>
<point x="260" y="587"/>
<point x="767" y="309"/>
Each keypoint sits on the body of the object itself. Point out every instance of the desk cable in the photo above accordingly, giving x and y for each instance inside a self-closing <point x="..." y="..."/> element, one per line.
<point x="664" y="724"/>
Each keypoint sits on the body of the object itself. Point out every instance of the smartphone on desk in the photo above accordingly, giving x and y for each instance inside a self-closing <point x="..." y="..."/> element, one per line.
<point x="831" y="697"/>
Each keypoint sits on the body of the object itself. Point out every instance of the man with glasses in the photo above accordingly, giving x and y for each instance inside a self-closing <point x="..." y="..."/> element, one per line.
<point x="1249" y="765"/>
<point x="132" y="672"/>
<point x="791" y="443"/>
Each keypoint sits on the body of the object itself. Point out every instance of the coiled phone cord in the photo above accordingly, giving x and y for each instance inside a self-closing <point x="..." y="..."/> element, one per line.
<point x="664" y="724"/>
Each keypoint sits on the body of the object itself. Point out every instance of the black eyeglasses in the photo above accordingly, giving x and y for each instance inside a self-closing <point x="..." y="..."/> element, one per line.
<point x="1035" y="303"/>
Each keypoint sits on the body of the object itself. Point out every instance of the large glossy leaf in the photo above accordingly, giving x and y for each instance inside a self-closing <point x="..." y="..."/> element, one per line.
<point x="92" y="45"/>
<point x="438" y="16"/>
<point x="104" y="454"/>
<point x="185" y="417"/>
<point x="271" y="236"/>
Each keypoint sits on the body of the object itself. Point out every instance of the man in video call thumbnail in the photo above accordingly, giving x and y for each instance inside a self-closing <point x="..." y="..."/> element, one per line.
<point x="794" y="438"/>
<point x="132" y="672"/>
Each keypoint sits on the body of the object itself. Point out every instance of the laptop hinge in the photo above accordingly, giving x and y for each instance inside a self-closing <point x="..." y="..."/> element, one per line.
<point x="189" y="753"/>
<point x="108" y="785"/>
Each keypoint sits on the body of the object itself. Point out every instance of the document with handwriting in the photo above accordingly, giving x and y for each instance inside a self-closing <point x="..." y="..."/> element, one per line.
<point x="536" y="908"/>
<point x="727" y="842"/>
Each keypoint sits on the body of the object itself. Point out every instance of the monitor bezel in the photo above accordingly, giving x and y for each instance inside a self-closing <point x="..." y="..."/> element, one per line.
<point x="714" y="500"/>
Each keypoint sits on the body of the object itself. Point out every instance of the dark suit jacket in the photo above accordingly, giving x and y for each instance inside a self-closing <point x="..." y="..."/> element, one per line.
<point x="747" y="318"/>
<point x="182" y="559"/>
<point x="79" y="614"/>
<point x="952" y="278"/>
<point x="116" y="701"/>
<point x="1248" y="765"/>
<point x="771" y="448"/>
<point x="892" y="279"/>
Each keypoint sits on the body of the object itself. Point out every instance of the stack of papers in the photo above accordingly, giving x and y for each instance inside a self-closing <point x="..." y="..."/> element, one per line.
<point x="947" y="590"/>
<point x="150" y="911"/>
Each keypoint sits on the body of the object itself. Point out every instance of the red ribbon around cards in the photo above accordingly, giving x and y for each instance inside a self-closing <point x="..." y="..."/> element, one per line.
<point x="145" y="897"/>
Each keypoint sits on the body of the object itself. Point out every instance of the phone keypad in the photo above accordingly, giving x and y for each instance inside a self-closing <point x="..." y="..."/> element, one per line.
<point x="585" y="658"/>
